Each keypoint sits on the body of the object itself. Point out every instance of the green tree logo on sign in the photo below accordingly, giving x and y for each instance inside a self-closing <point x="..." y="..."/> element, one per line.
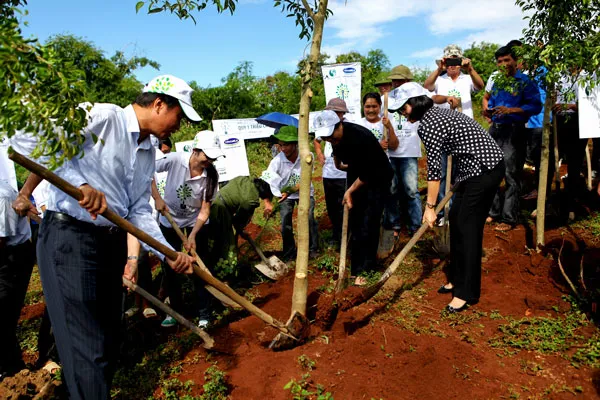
<point x="342" y="91"/>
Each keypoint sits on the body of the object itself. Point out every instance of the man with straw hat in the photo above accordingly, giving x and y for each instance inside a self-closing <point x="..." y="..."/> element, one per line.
<point x="283" y="176"/>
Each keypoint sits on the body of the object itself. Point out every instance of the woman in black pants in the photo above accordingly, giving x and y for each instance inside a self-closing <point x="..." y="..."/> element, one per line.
<point x="480" y="169"/>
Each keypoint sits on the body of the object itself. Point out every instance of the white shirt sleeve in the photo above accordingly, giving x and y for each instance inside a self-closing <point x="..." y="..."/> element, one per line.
<point x="9" y="220"/>
<point x="272" y="176"/>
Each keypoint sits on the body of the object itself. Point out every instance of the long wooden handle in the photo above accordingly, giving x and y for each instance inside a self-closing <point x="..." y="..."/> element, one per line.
<point x="343" y="251"/>
<point x="408" y="247"/>
<point x="144" y="237"/>
<point x="256" y="248"/>
<point x="220" y="296"/>
<point x="448" y="185"/>
<point x="385" y="114"/>
<point x="208" y="341"/>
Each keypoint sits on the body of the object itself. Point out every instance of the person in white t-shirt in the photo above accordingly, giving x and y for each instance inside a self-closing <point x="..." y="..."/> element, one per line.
<point x="192" y="184"/>
<point x="334" y="180"/>
<point x="283" y="176"/>
<point x="453" y="89"/>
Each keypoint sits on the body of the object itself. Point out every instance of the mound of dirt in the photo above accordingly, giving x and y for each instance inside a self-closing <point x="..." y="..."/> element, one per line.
<point x="27" y="385"/>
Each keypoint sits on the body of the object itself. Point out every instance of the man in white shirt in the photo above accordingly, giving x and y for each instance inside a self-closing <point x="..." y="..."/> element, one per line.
<point x="404" y="160"/>
<point x="16" y="263"/>
<point x="80" y="253"/>
<point x="283" y="176"/>
<point x="453" y="89"/>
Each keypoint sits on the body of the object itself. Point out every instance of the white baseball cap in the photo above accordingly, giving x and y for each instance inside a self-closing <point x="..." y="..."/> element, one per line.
<point x="324" y="123"/>
<point x="399" y="96"/>
<point x="208" y="142"/>
<point x="177" y="88"/>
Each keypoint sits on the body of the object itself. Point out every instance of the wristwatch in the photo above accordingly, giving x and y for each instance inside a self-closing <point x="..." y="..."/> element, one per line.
<point x="432" y="206"/>
<point x="133" y="258"/>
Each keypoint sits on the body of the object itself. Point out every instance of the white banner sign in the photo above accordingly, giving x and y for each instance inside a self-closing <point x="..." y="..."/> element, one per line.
<point x="589" y="113"/>
<point x="235" y="162"/>
<point x="7" y="167"/>
<point x="243" y="128"/>
<point x="344" y="81"/>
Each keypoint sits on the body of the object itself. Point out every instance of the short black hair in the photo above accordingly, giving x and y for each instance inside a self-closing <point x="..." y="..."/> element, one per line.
<point x="419" y="105"/>
<point x="372" y="95"/>
<point x="144" y="99"/>
<point x="264" y="189"/>
<point x="505" y="51"/>
<point x="166" y="142"/>
<point x="514" y="43"/>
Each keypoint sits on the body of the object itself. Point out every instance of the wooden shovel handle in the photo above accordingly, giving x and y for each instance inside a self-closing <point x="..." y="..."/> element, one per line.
<point x="208" y="341"/>
<point x="385" y="114"/>
<point x="144" y="237"/>
<point x="343" y="250"/>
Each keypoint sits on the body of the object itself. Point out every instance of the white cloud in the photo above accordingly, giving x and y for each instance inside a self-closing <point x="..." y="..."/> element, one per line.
<point x="361" y="24"/>
<point x="427" y="53"/>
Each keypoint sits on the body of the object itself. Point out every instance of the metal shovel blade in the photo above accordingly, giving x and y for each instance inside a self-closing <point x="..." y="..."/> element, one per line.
<point x="298" y="327"/>
<point x="275" y="269"/>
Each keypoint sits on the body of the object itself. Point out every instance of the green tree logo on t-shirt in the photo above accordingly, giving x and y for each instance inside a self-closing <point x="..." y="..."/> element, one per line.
<point x="454" y="93"/>
<point x="377" y="133"/>
<point x="184" y="192"/>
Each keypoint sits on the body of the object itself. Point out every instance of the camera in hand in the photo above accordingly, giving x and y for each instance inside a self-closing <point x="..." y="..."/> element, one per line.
<point x="453" y="62"/>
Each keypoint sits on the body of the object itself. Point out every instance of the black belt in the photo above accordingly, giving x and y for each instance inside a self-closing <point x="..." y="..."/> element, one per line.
<point x="509" y="124"/>
<point x="50" y="216"/>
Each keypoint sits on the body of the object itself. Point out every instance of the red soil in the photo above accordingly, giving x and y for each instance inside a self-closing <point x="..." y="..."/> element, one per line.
<point x="367" y="354"/>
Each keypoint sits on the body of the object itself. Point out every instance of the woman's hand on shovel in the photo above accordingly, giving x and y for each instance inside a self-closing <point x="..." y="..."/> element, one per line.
<point x="429" y="216"/>
<point x="183" y="263"/>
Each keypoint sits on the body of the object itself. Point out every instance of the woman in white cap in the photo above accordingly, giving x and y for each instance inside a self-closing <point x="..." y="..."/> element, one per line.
<point x="191" y="186"/>
<point x="480" y="169"/>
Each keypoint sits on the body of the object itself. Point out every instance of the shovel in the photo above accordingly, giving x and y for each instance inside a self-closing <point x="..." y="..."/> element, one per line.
<point x="296" y="329"/>
<point x="359" y="297"/>
<point x="272" y="267"/>
<point x="341" y="282"/>
<point x="218" y="295"/>
<point x="208" y="341"/>
<point x="441" y="242"/>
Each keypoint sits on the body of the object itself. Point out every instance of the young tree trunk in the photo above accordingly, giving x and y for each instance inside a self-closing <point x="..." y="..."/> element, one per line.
<point x="543" y="182"/>
<point x="306" y="161"/>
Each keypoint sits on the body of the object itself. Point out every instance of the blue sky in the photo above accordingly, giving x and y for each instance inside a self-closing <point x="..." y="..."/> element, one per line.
<point x="411" y="32"/>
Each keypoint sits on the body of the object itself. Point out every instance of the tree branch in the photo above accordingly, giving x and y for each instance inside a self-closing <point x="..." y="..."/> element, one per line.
<point x="309" y="10"/>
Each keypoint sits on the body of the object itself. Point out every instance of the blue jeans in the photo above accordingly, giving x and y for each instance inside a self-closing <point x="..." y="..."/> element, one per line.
<point x="404" y="193"/>
<point x="286" y="209"/>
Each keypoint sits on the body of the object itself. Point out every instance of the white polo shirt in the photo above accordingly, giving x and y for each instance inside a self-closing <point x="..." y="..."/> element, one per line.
<point x="460" y="88"/>
<point x="183" y="194"/>
<point x="409" y="144"/>
<point x="281" y="173"/>
<point x="14" y="228"/>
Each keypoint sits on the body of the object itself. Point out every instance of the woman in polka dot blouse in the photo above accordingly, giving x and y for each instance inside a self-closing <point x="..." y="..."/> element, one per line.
<point x="480" y="169"/>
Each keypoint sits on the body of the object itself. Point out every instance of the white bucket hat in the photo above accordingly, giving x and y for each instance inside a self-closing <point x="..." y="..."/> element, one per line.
<point x="208" y="142"/>
<point x="324" y="123"/>
<point x="399" y="96"/>
<point x="177" y="88"/>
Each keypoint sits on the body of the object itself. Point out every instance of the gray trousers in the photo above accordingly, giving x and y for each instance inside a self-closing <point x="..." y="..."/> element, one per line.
<point x="81" y="267"/>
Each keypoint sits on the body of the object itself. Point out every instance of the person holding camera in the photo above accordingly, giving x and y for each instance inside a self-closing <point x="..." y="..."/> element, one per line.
<point x="454" y="88"/>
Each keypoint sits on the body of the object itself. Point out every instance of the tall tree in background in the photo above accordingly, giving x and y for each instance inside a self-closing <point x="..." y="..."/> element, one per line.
<point x="107" y="80"/>
<point x="564" y="36"/>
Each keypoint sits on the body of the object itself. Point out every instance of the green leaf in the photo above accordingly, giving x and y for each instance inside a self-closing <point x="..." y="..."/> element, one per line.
<point x="155" y="10"/>
<point x="139" y="5"/>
